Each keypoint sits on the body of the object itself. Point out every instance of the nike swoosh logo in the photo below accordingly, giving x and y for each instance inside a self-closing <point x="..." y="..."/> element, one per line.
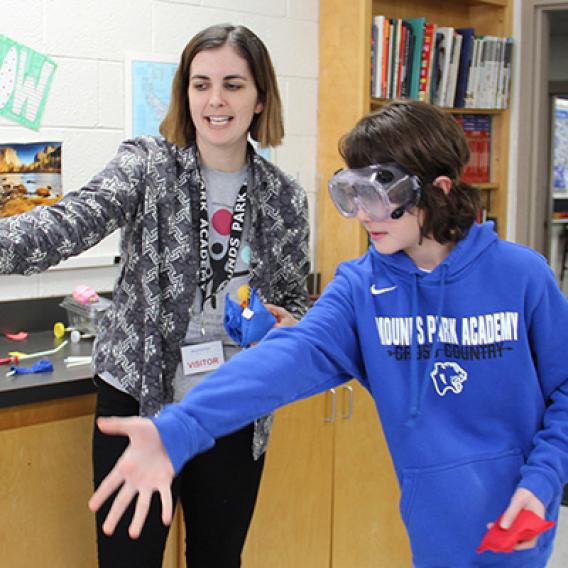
<point x="377" y="291"/>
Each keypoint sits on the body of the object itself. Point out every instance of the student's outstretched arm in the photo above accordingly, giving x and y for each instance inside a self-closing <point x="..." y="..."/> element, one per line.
<point x="143" y="469"/>
<point x="320" y="352"/>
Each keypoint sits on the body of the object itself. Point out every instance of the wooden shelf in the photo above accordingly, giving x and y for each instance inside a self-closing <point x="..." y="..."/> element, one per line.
<point x="377" y="103"/>
<point x="502" y="3"/>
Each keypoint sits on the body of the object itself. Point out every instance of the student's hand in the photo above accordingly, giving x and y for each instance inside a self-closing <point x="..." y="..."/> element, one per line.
<point x="283" y="317"/>
<point x="522" y="499"/>
<point x="143" y="468"/>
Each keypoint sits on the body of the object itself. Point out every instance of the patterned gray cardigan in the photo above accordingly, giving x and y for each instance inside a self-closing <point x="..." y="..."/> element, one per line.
<point x="150" y="190"/>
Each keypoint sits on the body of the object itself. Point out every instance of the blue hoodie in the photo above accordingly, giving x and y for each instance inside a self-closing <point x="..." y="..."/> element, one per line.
<point x="468" y="368"/>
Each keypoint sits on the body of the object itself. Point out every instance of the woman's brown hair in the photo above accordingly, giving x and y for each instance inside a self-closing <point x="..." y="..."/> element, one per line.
<point x="267" y="127"/>
<point x="427" y="142"/>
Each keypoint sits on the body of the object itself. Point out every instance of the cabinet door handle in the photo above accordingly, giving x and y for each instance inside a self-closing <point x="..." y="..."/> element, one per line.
<point x="331" y="417"/>
<point x="349" y="414"/>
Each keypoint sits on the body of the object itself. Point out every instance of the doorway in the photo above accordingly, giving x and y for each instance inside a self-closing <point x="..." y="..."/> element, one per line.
<point x="539" y="28"/>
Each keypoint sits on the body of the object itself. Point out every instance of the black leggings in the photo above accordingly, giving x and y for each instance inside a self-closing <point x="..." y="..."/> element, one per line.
<point x="217" y="490"/>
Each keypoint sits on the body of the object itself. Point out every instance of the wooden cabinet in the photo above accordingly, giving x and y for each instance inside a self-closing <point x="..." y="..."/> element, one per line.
<point x="293" y="517"/>
<point x="367" y="529"/>
<point x="46" y="481"/>
<point x="328" y="496"/>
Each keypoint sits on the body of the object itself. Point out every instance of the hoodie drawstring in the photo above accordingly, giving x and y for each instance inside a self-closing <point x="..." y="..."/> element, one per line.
<point x="417" y="387"/>
<point x="414" y="385"/>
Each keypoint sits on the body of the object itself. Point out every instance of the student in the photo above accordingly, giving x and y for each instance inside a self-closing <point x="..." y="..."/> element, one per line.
<point x="202" y="216"/>
<point x="460" y="338"/>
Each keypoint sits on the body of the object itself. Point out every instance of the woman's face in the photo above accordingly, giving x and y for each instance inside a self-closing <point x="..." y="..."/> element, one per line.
<point x="223" y="99"/>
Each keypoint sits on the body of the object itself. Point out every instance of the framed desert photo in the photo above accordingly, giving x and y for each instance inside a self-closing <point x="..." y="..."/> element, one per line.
<point x="30" y="175"/>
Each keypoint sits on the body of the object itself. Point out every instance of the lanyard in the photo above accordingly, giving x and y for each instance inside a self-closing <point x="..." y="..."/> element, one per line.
<point x="235" y="237"/>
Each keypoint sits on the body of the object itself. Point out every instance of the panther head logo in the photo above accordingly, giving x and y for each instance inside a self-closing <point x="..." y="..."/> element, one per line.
<point x="448" y="376"/>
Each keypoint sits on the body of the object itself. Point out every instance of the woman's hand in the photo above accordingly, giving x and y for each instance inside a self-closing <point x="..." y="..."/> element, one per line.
<point x="522" y="499"/>
<point x="283" y="317"/>
<point x="143" y="468"/>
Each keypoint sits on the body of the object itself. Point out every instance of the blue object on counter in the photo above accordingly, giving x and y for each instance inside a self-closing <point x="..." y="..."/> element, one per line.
<point x="247" y="325"/>
<point x="41" y="366"/>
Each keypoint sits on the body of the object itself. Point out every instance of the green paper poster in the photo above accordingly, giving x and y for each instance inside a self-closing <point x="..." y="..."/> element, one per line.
<point x="25" y="80"/>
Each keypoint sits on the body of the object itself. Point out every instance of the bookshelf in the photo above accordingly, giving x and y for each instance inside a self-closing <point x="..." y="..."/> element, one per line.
<point x="366" y="527"/>
<point x="344" y="97"/>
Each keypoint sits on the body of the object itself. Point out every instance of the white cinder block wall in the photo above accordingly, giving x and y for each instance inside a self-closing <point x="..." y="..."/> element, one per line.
<point x="89" y="39"/>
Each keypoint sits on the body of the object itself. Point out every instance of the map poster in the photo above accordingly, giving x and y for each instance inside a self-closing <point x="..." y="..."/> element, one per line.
<point x="149" y="85"/>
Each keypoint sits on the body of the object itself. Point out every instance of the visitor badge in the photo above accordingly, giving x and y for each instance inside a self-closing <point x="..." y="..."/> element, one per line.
<point x="202" y="357"/>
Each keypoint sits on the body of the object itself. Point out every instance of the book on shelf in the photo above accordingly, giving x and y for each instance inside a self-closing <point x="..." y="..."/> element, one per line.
<point x="385" y="57"/>
<point x="450" y="67"/>
<point x="374" y="61"/>
<point x="505" y="82"/>
<point x="416" y="27"/>
<point x="406" y="60"/>
<point x="464" y="64"/>
<point x="486" y="92"/>
<point x="481" y="216"/>
<point x="435" y="68"/>
<point x="377" y="46"/>
<point x="390" y="58"/>
<point x="450" y="94"/>
<point x="477" y="130"/>
<point x="443" y="58"/>
<point x="426" y="62"/>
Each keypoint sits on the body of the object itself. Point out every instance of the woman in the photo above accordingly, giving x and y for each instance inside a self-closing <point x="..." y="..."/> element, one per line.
<point x="202" y="216"/>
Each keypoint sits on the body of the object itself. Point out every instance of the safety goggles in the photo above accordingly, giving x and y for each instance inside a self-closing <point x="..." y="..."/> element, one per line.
<point x="383" y="191"/>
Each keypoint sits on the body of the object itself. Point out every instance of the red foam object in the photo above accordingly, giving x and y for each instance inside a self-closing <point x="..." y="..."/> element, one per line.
<point x="525" y="527"/>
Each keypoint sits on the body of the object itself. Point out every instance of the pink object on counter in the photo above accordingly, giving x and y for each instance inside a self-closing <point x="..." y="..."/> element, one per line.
<point x="84" y="294"/>
<point x="20" y="336"/>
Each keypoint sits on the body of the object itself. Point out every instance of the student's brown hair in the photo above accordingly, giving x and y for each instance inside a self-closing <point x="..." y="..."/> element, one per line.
<point x="427" y="142"/>
<point x="267" y="127"/>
